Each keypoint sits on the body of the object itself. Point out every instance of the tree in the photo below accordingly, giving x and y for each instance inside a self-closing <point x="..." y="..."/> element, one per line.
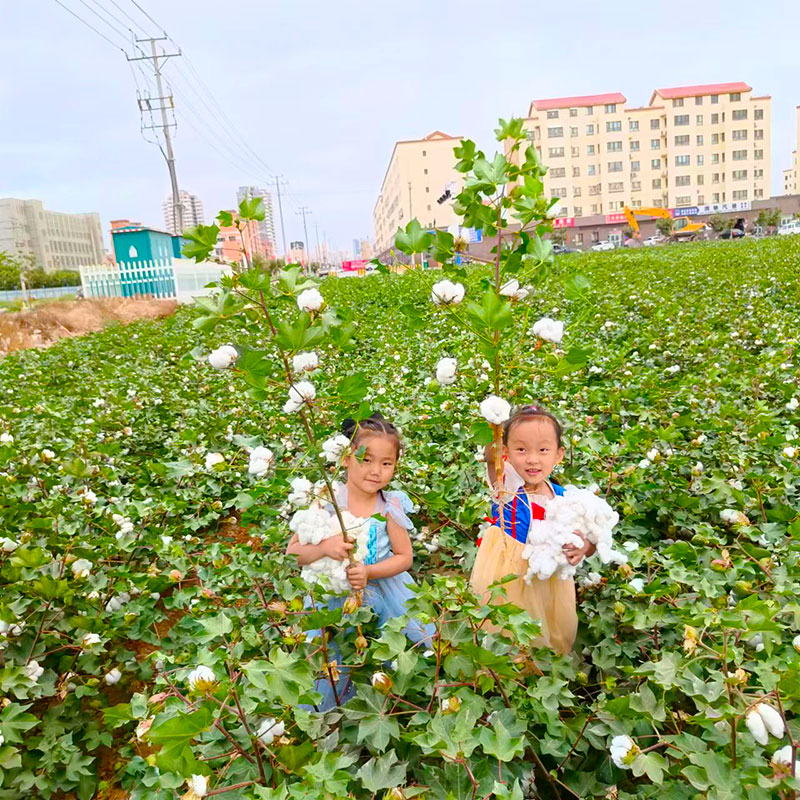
<point x="664" y="226"/>
<point x="559" y="236"/>
<point x="718" y="223"/>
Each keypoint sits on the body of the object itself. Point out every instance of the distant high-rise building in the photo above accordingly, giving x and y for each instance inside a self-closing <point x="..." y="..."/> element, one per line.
<point x="297" y="253"/>
<point x="365" y="249"/>
<point x="790" y="176"/>
<point x="192" y="212"/>
<point x="266" y="227"/>
<point x="54" y="239"/>
<point x="356" y="248"/>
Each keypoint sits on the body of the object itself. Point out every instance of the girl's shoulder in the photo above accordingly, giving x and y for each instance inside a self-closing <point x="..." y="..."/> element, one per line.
<point x="398" y="506"/>
<point x="558" y="490"/>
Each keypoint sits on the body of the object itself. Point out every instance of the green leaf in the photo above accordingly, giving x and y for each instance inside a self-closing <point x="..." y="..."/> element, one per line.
<point x="509" y="130"/>
<point x="577" y="286"/>
<point x="383" y="772"/>
<point x="252" y="208"/>
<point x="175" y="731"/>
<point x="414" y="239"/>
<point x="498" y="741"/>
<point x="225" y="219"/>
<point x="14" y="722"/>
<point x="216" y="627"/>
<point x="352" y="389"/>
<point x="117" y="715"/>
<point x="374" y="724"/>
<point x="201" y="242"/>
<point x="285" y="678"/>
<point x="493" y="313"/>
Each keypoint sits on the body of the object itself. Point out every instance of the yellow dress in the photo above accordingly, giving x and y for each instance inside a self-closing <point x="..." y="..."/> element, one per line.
<point x="551" y="602"/>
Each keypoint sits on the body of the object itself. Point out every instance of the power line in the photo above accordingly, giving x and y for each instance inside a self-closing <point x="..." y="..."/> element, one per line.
<point x="89" y="25"/>
<point x="103" y="19"/>
<point x="149" y="17"/>
<point x="125" y="13"/>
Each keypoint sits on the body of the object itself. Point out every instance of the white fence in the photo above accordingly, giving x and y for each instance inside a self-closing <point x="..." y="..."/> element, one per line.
<point x="9" y="295"/>
<point x="171" y="279"/>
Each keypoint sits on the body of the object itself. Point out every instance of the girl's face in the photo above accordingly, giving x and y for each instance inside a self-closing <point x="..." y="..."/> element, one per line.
<point x="375" y="469"/>
<point x="533" y="450"/>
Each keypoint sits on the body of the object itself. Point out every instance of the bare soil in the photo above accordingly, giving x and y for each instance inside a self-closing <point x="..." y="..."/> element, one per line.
<point x="46" y="324"/>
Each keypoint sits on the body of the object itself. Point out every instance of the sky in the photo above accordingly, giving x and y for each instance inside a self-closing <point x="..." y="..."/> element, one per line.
<point x="319" y="91"/>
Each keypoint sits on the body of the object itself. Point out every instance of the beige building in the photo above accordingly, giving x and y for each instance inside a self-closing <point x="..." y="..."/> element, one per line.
<point x="691" y="146"/>
<point x="790" y="175"/>
<point x="55" y="240"/>
<point x="419" y="173"/>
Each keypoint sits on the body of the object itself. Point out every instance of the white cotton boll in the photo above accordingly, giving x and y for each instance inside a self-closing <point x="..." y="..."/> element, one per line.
<point x="653" y="454"/>
<point x="549" y="329"/>
<point x="334" y="448"/>
<point x="8" y="545"/>
<point x="621" y="749"/>
<point x="447" y="293"/>
<point x="213" y="459"/>
<point x="198" y="785"/>
<point x="773" y="721"/>
<point x="783" y="757"/>
<point x="305" y="362"/>
<point x="201" y="678"/>
<point x="756" y="726"/>
<point x="636" y="584"/>
<point x="33" y="671"/>
<point x="269" y="730"/>
<point x="790" y="452"/>
<point x="495" y="410"/>
<point x="6" y="438"/>
<point x="81" y="567"/>
<point x="310" y="525"/>
<point x="644" y="463"/>
<point x="223" y="357"/>
<point x="446" y="371"/>
<point x="302" y="492"/>
<point x="299" y="393"/>
<point x="731" y="516"/>
<point x="674" y="369"/>
<point x="90" y="639"/>
<point x="261" y="459"/>
<point x="113" y="676"/>
<point x="513" y="290"/>
<point x="310" y="300"/>
<point x="592" y="579"/>
<point x="793" y="404"/>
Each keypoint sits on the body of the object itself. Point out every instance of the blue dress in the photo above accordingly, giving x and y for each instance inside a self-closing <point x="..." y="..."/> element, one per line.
<point x="516" y="519"/>
<point x="386" y="596"/>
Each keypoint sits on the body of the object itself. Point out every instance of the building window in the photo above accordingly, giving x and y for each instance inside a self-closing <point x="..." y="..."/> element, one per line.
<point x="424" y="152"/>
<point x="616" y="205"/>
<point x="714" y="99"/>
<point x="591" y="169"/>
<point x="578" y="236"/>
<point x="655" y="144"/>
<point x="427" y="189"/>
<point x="683" y="161"/>
<point x="633" y="125"/>
<point x="677" y="102"/>
<point x="740" y="155"/>
<point x="656" y="183"/>
<point x="635" y="166"/>
<point x="655" y="124"/>
<point x="683" y="180"/>
<point x="425" y="170"/>
<point x="589" y="111"/>
<point x="559" y="192"/>
<point x="714" y="138"/>
<point x="740" y="194"/>
<point x="613" y="147"/>
<point x="758" y="155"/>
<point x="739" y="113"/>
<point x="701" y="180"/>
<point x="552" y="114"/>
<point x="615" y="166"/>
<point x="634" y="146"/>
<point x="683" y="200"/>
<point x="636" y="186"/>
<point x="655" y="163"/>
<point x="715" y="197"/>
<point x="701" y="199"/>
<point x="590" y="129"/>
<point x="735" y="97"/>
<point x="698" y="101"/>
<point x="700" y="140"/>
<point x="576" y="172"/>
<point x="715" y="119"/>
<point x="578" y="212"/>
<point x="740" y="175"/>
<point x="595" y="234"/>
<point x="681" y="119"/>
<point x="575" y="151"/>
<point x="611" y="108"/>
<point x="758" y="173"/>
<point x="613" y="126"/>
<point x="555" y="133"/>
<point x="698" y="120"/>
<point x="758" y="134"/>
<point x="617" y="186"/>
<point x="758" y="193"/>
<point x="429" y="208"/>
<point x="715" y="158"/>
<point x="740" y="135"/>
<point x="758" y="113"/>
<point x="573" y="131"/>
<point x="573" y="112"/>
<point x="589" y="149"/>
<point x="682" y="141"/>
<point x="595" y="189"/>
<point x="530" y="135"/>
<point x="558" y="172"/>
<point x="555" y="152"/>
<point x="576" y="192"/>
<point x="715" y="178"/>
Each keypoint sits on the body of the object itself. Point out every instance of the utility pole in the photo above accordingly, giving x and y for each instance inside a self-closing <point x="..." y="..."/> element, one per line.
<point x="145" y="104"/>
<point x="278" y="179"/>
<point x="410" y="217"/>
<point x="305" y="211"/>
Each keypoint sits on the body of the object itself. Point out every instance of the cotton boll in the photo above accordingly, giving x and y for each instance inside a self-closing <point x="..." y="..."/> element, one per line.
<point x="549" y="329"/>
<point x="305" y="362"/>
<point x="446" y="371"/>
<point x="773" y="721"/>
<point x="310" y="300"/>
<point x="334" y="448"/>
<point x="756" y="726"/>
<point x="447" y="293"/>
<point x="495" y="410"/>
<point x="223" y="357"/>
<point x="302" y="492"/>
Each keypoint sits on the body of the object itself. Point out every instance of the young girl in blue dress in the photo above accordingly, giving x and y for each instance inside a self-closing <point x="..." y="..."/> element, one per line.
<point x="383" y="575"/>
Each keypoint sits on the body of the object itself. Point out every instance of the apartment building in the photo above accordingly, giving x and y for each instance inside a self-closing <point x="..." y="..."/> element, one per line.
<point x="790" y="175"/>
<point x="192" y="212"/>
<point x="54" y="239"/>
<point x="420" y="171"/>
<point x="266" y="228"/>
<point x="690" y="146"/>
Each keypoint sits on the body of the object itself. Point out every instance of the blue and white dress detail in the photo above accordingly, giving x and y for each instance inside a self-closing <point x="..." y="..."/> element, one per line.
<point x="386" y="596"/>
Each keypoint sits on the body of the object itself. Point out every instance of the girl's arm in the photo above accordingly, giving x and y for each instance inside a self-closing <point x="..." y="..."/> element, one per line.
<point x="359" y="574"/>
<point x="333" y="547"/>
<point x="488" y="456"/>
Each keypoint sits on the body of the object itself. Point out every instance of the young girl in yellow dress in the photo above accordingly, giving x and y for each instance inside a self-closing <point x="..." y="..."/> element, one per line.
<point x="531" y="449"/>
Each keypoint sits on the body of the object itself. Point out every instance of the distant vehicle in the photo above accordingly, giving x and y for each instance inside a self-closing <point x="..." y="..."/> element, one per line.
<point x="600" y="246"/>
<point x="789" y="228"/>
<point x="683" y="229"/>
<point x="653" y="241"/>
<point x="562" y="249"/>
<point x="735" y="232"/>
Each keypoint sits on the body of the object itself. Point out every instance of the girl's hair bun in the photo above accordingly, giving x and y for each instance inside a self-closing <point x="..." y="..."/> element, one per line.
<point x="349" y="427"/>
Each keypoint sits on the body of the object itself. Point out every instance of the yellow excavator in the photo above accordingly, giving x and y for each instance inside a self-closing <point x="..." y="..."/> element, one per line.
<point x="682" y="228"/>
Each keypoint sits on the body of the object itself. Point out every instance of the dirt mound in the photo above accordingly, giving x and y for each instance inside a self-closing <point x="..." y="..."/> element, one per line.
<point x="58" y="320"/>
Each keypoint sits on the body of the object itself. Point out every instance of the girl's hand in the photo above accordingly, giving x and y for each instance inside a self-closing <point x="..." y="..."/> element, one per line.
<point x="357" y="575"/>
<point x="576" y="554"/>
<point x="336" y="547"/>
